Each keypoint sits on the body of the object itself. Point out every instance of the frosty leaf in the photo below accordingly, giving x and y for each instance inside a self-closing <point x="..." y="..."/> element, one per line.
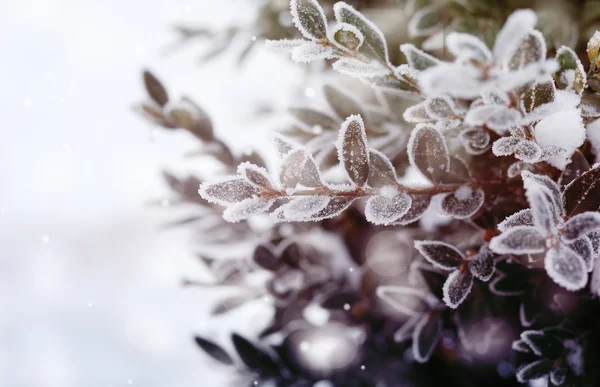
<point x="440" y="254"/>
<point x="457" y="287"/>
<point x="595" y="239"/>
<point x="559" y="374"/>
<point x="409" y="301"/>
<point x="406" y="330"/>
<point x="419" y="205"/>
<point x="593" y="50"/>
<point x="518" y="25"/>
<point x="519" y="240"/>
<point x="563" y="129"/>
<point x="521" y="218"/>
<point x="536" y="370"/>
<point x="531" y="49"/>
<point x="475" y="140"/>
<point x="463" y="203"/>
<point x="312" y="118"/>
<point x="427" y="151"/>
<point x="347" y="36"/>
<point x="353" y="150"/>
<point x="246" y="208"/>
<point x="467" y="47"/>
<point x="520" y="346"/>
<point x="356" y="68"/>
<point x="255" y="174"/>
<point x="310" y="51"/>
<point x="583" y="193"/>
<point x="266" y="258"/>
<point x="572" y="75"/>
<point x="577" y="167"/>
<point x="284" y="45"/>
<point x="417" y="59"/>
<point x="543" y="343"/>
<point x="544" y="198"/>
<point x="283" y="145"/>
<point x="482" y="265"/>
<point x="155" y="89"/>
<point x="505" y="146"/>
<point x="441" y="108"/>
<point x="528" y="151"/>
<point x="426" y="21"/>
<point x="309" y="18"/>
<point x="227" y="192"/>
<point x="417" y="113"/>
<point x="541" y="93"/>
<point x="497" y="117"/>
<point x="457" y="173"/>
<point x="383" y="210"/>
<point x="304" y="207"/>
<point x="374" y="41"/>
<point x="426" y="335"/>
<point x="566" y="268"/>
<point x="590" y="105"/>
<point x="381" y="170"/>
<point x="213" y="350"/>
<point x="335" y="207"/>
<point x="583" y="247"/>
<point x="298" y="167"/>
<point x="454" y="79"/>
<point x="580" y="224"/>
<point x="342" y="104"/>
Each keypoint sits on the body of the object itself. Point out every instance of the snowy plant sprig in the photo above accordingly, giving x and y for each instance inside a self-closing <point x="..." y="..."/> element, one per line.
<point x="369" y="174"/>
<point x="557" y="225"/>
<point x="355" y="43"/>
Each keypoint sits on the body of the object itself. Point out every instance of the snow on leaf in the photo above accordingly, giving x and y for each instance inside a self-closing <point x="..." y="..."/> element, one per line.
<point x="531" y="49"/>
<point x="563" y="129"/>
<point x="426" y="335"/>
<point x="310" y="51"/>
<point x="342" y="104"/>
<point x="291" y="168"/>
<point x="476" y="141"/>
<point x="536" y="370"/>
<point x="577" y="167"/>
<point x="482" y="265"/>
<point x="353" y="149"/>
<point x="569" y="62"/>
<point x="417" y="113"/>
<point x="457" y="287"/>
<point x="454" y="79"/>
<point x="381" y="170"/>
<point x="382" y="210"/>
<point x="440" y="254"/>
<point x="335" y="207"/>
<point x="461" y="204"/>
<point x="227" y="192"/>
<point x="518" y="25"/>
<point x="520" y="218"/>
<point x="583" y="193"/>
<point x="544" y="198"/>
<point x="246" y="208"/>
<point x="528" y="151"/>
<point x="441" y="108"/>
<point x="426" y="21"/>
<point x="418" y="59"/>
<point x="566" y="268"/>
<point x="427" y="151"/>
<point x="419" y="205"/>
<point x="347" y="36"/>
<point x="254" y="174"/>
<point x="374" y="41"/>
<point x="580" y="224"/>
<point x="519" y="240"/>
<point x="543" y="92"/>
<point x="309" y="18"/>
<point x="505" y="146"/>
<point x="497" y="117"/>
<point x="304" y="207"/>
<point x="406" y="300"/>
<point x="467" y="47"/>
<point x="356" y="68"/>
<point x="583" y="247"/>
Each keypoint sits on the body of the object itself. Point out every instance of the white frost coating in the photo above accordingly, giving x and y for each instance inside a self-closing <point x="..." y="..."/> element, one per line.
<point x="563" y="100"/>
<point x="283" y="145"/>
<point x="354" y="136"/>
<point x="563" y="129"/>
<point x="424" y="357"/>
<point x="440" y="254"/>
<point x="519" y="240"/>
<point x="246" y="208"/>
<point x="527" y="337"/>
<point x="388" y="191"/>
<point x="413" y="24"/>
<point x="580" y="224"/>
<point x="520" y="346"/>
<point x="523" y="317"/>
<point x="383" y="210"/>
<point x="466" y="47"/>
<point x="284" y="45"/>
<point x="595" y="279"/>
<point x="583" y="248"/>
<point x="529" y="152"/>
<point x="482" y="265"/>
<point x="304" y="207"/>
<point x="461" y="81"/>
<point x="516" y="28"/>
<point x="356" y="68"/>
<point x="505" y="146"/>
<point x="464" y="192"/>
<point x="497" y="117"/>
<point x="418" y="59"/>
<point x="523" y="371"/>
<point x="566" y="268"/>
<point x="309" y="18"/>
<point x="256" y="175"/>
<point x="593" y="136"/>
<point x="413" y="141"/>
<point x="310" y="51"/>
<point x="520" y="218"/>
<point x="417" y="113"/>
<point x="348" y="28"/>
<point x="457" y="287"/>
<point x="407" y="300"/>
<point x="575" y="356"/>
<point x="228" y="191"/>
<point x="455" y="206"/>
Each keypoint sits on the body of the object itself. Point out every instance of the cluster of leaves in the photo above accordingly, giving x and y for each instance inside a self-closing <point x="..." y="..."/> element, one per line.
<point x="506" y="196"/>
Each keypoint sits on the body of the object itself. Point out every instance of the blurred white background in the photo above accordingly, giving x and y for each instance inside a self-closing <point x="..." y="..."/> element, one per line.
<point x="89" y="284"/>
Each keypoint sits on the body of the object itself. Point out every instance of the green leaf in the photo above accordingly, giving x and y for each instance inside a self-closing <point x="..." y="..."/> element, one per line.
<point x="571" y="74"/>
